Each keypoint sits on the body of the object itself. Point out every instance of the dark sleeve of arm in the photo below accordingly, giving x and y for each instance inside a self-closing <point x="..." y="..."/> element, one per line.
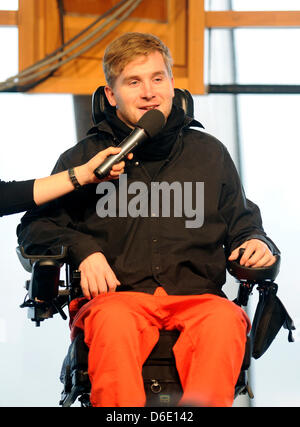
<point x="45" y="229"/>
<point x="243" y="217"/>
<point x="16" y="196"/>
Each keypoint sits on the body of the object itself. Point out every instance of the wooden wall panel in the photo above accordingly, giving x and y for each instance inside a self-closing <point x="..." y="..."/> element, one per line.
<point x="83" y="74"/>
<point x="154" y="9"/>
<point x="179" y="23"/>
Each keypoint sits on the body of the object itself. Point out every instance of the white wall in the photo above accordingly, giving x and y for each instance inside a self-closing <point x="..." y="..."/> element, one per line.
<point x="34" y="130"/>
<point x="270" y="157"/>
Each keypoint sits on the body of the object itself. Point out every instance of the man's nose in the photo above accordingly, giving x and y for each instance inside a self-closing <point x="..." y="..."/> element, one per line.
<point x="147" y="90"/>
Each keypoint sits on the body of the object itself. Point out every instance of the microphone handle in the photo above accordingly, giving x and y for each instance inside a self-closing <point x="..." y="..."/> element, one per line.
<point x="137" y="136"/>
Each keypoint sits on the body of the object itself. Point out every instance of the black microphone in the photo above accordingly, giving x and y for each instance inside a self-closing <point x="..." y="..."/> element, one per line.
<point x="149" y="125"/>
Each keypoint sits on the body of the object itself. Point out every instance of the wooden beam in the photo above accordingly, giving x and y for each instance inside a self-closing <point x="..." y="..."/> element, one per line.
<point x="177" y="31"/>
<point x="234" y="19"/>
<point x="195" y="48"/>
<point x="8" y="17"/>
<point x="29" y="33"/>
<point x="73" y="85"/>
<point x="38" y="30"/>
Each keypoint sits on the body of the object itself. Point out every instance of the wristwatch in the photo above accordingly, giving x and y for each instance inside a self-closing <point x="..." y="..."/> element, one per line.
<point x="73" y="178"/>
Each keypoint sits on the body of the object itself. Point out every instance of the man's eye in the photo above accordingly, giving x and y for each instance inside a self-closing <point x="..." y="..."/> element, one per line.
<point x="133" y="83"/>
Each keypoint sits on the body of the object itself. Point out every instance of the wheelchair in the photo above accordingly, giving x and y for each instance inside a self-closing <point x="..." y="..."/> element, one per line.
<point x="48" y="295"/>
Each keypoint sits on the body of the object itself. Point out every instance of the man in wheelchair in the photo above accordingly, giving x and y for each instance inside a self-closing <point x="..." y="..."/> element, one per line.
<point x="143" y="271"/>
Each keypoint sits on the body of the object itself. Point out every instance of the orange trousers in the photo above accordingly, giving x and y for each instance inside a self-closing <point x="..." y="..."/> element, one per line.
<point x="122" y="328"/>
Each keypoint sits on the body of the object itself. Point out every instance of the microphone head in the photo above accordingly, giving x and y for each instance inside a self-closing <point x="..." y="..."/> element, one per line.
<point x="152" y="122"/>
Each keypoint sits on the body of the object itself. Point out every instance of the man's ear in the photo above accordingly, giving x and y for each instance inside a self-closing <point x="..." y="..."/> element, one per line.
<point x="110" y="96"/>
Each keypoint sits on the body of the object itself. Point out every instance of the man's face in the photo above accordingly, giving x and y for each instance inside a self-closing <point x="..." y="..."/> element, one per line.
<point x="144" y="84"/>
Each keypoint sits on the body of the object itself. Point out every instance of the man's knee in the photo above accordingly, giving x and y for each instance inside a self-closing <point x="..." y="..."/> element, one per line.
<point x="118" y="314"/>
<point x="229" y="317"/>
<point x="235" y="315"/>
<point x="220" y="314"/>
<point x="113" y="313"/>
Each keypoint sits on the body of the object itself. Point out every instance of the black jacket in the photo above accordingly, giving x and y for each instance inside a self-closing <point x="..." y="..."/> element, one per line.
<point x="149" y="250"/>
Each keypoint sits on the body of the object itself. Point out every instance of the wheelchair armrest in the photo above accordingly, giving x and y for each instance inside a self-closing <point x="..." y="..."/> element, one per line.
<point x="250" y="274"/>
<point x="27" y="260"/>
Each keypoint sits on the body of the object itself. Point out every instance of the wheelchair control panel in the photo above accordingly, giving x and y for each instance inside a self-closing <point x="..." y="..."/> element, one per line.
<point x="248" y="277"/>
<point x="46" y="293"/>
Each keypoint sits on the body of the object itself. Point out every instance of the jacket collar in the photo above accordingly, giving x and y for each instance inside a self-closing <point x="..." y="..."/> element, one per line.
<point x="104" y="126"/>
<point x="190" y="122"/>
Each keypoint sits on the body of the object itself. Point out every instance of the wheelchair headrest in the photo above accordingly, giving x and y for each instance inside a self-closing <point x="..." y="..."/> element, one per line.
<point x="100" y="103"/>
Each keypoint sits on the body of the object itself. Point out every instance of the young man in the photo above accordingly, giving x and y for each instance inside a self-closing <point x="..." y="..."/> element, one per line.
<point x="167" y="269"/>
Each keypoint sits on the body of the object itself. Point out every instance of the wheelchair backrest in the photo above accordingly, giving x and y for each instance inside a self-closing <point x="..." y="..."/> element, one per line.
<point x="182" y="99"/>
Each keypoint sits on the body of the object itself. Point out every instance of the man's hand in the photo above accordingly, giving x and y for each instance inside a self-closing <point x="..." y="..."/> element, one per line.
<point x="85" y="173"/>
<point x="257" y="254"/>
<point x="96" y="276"/>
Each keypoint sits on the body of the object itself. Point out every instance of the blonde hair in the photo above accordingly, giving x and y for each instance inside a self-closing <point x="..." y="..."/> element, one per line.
<point x="127" y="47"/>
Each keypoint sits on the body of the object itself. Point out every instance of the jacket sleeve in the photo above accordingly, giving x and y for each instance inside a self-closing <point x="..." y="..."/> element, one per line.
<point x="16" y="196"/>
<point x="45" y="229"/>
<point x="243" y="217"/>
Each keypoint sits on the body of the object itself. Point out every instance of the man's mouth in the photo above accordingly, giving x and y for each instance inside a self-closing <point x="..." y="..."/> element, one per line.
<point x="148" y="107"/>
